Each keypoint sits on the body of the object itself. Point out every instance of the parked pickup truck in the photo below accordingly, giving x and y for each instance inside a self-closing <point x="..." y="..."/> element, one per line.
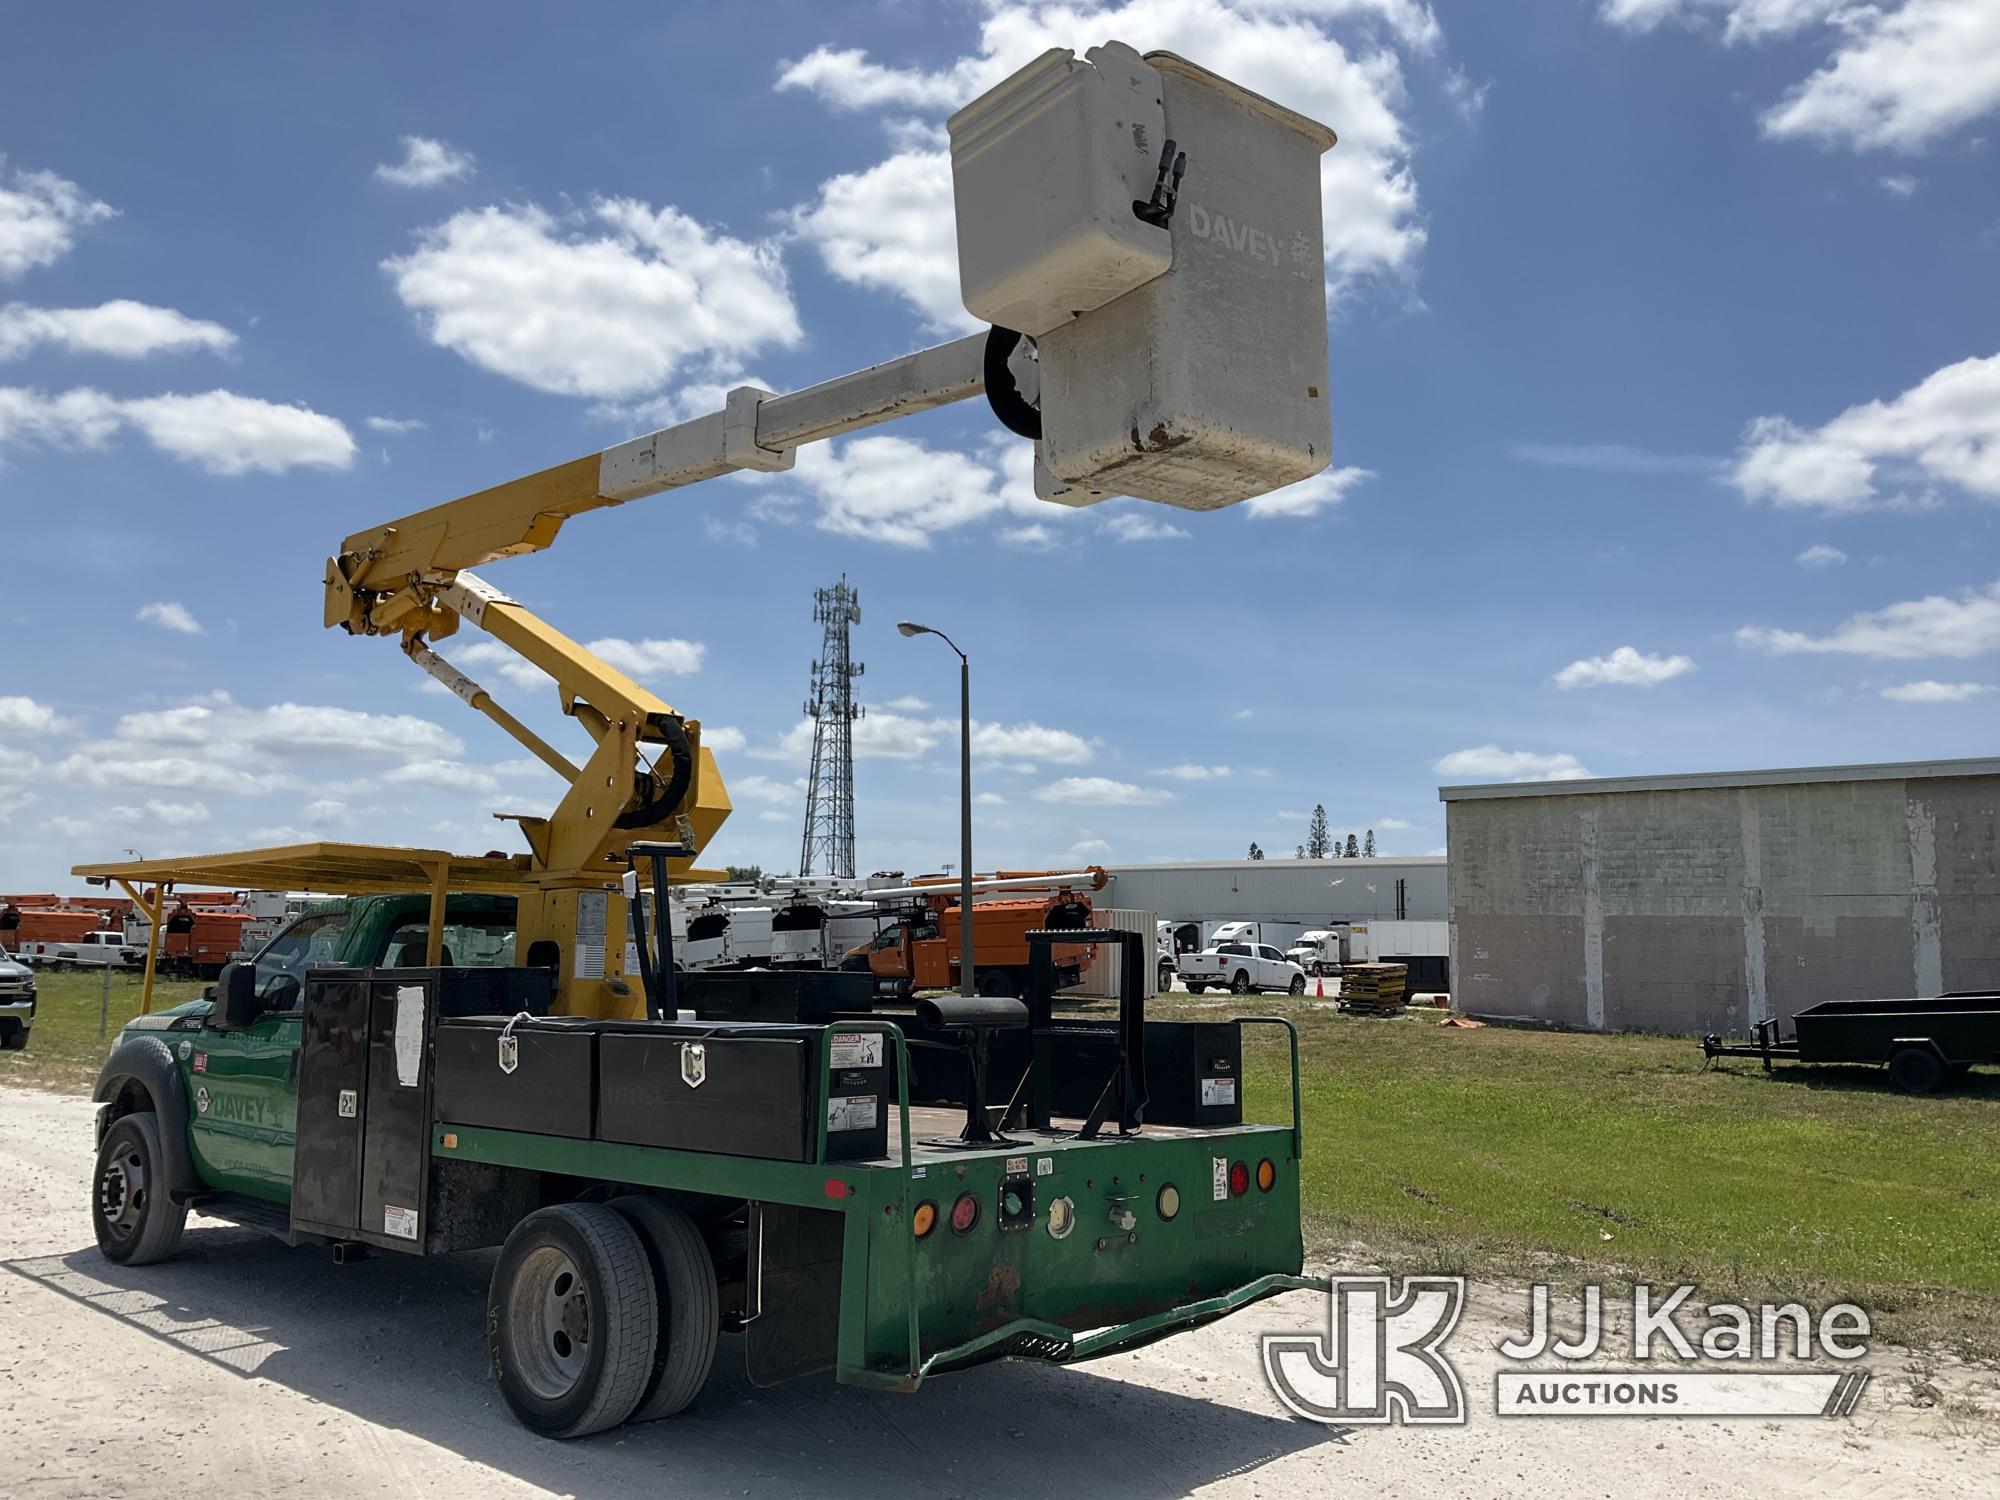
<point x="1241" y="968"/>
<point x="17" y="1002"/>
<point x="94" y="950"/>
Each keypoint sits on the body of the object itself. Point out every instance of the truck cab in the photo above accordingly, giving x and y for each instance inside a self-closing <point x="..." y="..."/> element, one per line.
<point x="242" y="1080"/>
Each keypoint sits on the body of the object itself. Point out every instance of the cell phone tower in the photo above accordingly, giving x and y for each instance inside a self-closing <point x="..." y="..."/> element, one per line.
<point x="828" y="845"/>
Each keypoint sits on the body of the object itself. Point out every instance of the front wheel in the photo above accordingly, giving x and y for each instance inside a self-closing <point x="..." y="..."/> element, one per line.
<point x="572" y="1320"/>
<point x="136" y="1220"/>
<point x="14" y="1038"/>
<point x="1298" y="984"/>
<point x="1240" y="985"/>
<point x="1166" y="978"/>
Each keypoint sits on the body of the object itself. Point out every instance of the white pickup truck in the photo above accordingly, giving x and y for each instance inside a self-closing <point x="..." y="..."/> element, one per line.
<point x="94" y="950"/>
<point x="1241" y="968"/>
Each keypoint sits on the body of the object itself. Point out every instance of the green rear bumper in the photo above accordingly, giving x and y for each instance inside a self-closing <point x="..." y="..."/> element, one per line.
<point x="1029" y="1338"/>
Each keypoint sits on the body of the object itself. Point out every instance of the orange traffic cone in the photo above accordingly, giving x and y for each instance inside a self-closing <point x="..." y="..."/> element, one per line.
<point x="1319" y="987"/>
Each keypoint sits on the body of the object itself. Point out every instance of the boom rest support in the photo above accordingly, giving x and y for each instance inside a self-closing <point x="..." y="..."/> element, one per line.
<point x="1125" y="1090"/>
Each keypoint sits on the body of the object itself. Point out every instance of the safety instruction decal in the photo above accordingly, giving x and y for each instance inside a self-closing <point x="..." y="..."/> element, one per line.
<point x="1221" y="1164"/>
<point x="1218" y="1091"/>
<point x="857" y="1049"/>
<point x="851" y="1112"/>
<point x="399" y="1223"/>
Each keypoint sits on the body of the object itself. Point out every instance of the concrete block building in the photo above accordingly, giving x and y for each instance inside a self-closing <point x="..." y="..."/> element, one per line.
<point x="1709" y="902"/>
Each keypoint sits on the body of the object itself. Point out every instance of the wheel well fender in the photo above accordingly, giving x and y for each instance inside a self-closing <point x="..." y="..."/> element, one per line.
<point x="1920" y="1043"/>
<point x="140" y="1076"/>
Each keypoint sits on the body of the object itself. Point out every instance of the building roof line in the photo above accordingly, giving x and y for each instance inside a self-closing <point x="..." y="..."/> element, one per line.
<point x="1911" y="770"/>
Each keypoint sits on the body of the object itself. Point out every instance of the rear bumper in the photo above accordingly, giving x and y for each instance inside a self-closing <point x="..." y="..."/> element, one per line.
<point x="1029" y="1338"/>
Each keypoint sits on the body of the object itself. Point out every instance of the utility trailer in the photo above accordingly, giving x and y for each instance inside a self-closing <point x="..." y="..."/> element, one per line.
<point x="1921" y="1042"/>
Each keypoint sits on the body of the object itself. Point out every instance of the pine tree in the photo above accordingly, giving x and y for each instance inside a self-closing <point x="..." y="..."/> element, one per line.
<point x="1353" y="847"/>
<point x="1318" y="840"/>
<point x="1368" y="845"/>
<point x="1255" y="852"/>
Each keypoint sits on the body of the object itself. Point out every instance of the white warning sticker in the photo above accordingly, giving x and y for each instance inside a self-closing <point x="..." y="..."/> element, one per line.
<point x="1045" y="1166"/>
<point x="1017" y="1166"/>
<point x="851" y="1112"/>
<point x="399" y="1222"/>
<point x="857" y="1049"/>
<point x="1218" y="1091"/>
<point x="1221" y="1177"/>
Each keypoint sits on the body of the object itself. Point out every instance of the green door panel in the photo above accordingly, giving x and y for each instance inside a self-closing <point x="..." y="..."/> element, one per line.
<point x="243" y="1087"/>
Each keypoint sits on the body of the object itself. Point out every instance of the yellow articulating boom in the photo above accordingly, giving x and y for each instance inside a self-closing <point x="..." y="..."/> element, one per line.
<point x="647" y="777"/>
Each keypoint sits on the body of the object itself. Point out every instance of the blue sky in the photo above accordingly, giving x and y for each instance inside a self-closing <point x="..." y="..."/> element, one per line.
<point x="1666" y="377"/>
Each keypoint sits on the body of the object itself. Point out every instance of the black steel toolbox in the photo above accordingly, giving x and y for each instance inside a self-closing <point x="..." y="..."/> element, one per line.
<point x="550" y="1089"/>
<point x="1194" y="1070"/>
<point x="742" y="1089"/>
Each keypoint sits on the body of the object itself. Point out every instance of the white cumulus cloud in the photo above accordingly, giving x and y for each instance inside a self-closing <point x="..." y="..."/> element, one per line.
<point x="1934" y="692"/>
<point x="1962" y="626"/>
<point x="1309" y="496"/>
<point x="426" y="163"/>
<point x="1101" y="791"/>
<point x="612" y="303"/>
<point x="219" y="431"/>
<point x="169" y="616"/>
<point x="40" y="214"/>
<point x="643" y="660"/>
<point x="23" y="715"/>
<point x="1900" y="75"/>
<point x="1941" y="434"/>
<point x="1820" y="555"/>
<point x="122" y="329"/>
<point x="1491" y="763"/>
<point x="1625" y="667"/>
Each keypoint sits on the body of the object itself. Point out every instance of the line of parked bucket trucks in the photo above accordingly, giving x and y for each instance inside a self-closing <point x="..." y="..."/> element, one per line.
<point x="904" y="932"/>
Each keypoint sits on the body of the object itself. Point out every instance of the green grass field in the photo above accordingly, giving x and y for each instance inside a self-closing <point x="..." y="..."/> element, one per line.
<point x="1506" y="1152"/>
<point x="65" y="1050"/>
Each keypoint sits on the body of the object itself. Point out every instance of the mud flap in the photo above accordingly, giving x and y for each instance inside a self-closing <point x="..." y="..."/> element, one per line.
<point x="795" y="1264"/>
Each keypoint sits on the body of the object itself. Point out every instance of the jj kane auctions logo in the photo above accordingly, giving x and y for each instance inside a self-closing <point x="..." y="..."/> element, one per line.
<point x="1381" y="1358"/>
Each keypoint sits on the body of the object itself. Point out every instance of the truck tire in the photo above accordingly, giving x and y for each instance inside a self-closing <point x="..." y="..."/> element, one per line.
<point x="690" y="1305"/>
<point x="137" y="1222"/>
<point x="1915" y="1070"/>
<point x="1298" y="984"/>
<point x="1240" y="985"/>
<point x="14" y="1038"/>
<point x="1166" y="978"/>
<point x="572" y="1319"/>
<point x="995" y="982"/>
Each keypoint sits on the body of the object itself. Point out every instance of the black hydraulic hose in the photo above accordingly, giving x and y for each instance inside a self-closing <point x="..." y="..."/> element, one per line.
<point x="660" y="806"/>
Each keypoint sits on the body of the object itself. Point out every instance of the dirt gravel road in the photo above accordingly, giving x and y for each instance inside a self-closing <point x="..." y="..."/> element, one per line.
<point x="245" y="1368"/>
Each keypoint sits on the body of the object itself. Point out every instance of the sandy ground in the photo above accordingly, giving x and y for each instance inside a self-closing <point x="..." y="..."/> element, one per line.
<point x="243" y="1367"/>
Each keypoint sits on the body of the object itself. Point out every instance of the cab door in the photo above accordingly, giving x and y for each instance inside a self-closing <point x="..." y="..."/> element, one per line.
<point x="243" y="1081"/>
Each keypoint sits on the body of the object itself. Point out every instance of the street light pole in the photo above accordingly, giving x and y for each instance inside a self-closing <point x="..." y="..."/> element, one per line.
<point x="967" y="980"/>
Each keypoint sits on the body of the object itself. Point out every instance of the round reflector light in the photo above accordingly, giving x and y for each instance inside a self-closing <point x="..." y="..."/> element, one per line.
<point x="1169" y="1201"/>
<point x="1267" y="1175"/>
<point x="964" y="1213"/>
<point x="1239" y="1179"/>
<point x="924" y="1220"/>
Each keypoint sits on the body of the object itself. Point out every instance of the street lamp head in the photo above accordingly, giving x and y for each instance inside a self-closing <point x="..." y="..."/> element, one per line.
<point x="911" y="627"/>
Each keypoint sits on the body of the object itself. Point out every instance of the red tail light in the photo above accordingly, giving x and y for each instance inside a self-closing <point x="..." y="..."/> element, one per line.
<point x="964" y="1213"/>
<point x="1239" y="1179"/>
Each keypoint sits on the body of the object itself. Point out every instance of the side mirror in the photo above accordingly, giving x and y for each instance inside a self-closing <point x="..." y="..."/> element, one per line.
<point x="236" y="995"/>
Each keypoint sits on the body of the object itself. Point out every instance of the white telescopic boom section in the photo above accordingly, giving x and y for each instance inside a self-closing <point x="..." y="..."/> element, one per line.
<point x="1092" y="879"/>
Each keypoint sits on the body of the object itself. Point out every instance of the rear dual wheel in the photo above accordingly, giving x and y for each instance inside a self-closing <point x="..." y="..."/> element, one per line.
<point x="597" y="1315"/>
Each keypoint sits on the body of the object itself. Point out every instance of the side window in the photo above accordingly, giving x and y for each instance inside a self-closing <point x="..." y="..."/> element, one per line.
<point x="309" y="943"/>
<point x="468" y="944"/>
